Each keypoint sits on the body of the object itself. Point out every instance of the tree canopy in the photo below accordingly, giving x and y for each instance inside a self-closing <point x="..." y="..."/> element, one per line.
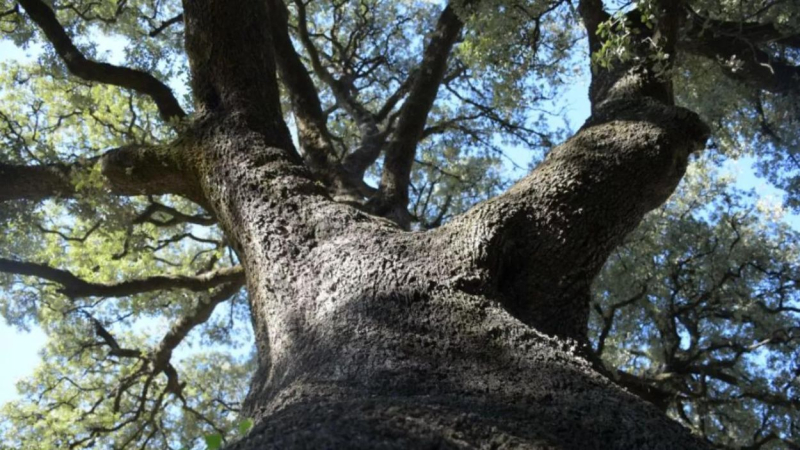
<point x="417" y="106"/>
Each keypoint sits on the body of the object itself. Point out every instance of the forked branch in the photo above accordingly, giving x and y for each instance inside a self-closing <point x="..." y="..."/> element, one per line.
<point x="100" y="72"/>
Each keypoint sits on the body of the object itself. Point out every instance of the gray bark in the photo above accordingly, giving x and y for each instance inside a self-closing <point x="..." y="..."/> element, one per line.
<point x="372" y="337"/>
<point x="468" y="336"/>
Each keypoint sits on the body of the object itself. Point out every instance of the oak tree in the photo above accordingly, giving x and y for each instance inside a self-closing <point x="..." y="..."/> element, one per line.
<point x="325" y="179"/>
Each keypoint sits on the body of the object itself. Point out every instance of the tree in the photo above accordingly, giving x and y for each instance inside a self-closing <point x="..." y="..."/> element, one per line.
<point x="403" y="315"/>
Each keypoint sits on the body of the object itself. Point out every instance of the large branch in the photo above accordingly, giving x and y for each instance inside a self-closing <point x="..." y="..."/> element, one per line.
<point x="89" y="70"/>
<point x="312" y="129"/>
<point x="232" y="61"/>
<point x="73" y="286"/>
<point x="644" y="389"/>
<point x="36" y="182"/>
<point x="637" y="75"/>
<point x="548" y="236"/>
<point x="593" y="14"/>
<point x="739" y="55"/>
<point x="392" y="199"/>
<point x="131" y="170"/>
<point x="311" y="121"/>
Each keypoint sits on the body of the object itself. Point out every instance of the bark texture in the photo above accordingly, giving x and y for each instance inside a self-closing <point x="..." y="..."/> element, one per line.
<point x="472" y="335"/>
<point x="467" y="336"/>
<point x="371" y="337"/>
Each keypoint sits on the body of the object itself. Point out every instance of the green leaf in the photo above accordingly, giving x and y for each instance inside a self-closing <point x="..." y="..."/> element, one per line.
<point x="214" y="441"/>
<point x="245" y="426"/>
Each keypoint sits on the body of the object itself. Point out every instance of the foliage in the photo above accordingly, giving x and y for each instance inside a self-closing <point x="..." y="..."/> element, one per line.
<point x="702" y="302"/>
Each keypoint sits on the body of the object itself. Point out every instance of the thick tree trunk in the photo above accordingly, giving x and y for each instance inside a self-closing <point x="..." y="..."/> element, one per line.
<point x="372" y="337"/>
<point x="470" y="335"/>
<point x="369" y="336"/>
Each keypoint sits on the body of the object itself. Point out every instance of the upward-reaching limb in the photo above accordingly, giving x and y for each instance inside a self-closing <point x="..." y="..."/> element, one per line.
<point x="89" y="70"/>
<point x="546" y="238"/>
<point x="392" y="198"/>
<point x="312" y="126"/>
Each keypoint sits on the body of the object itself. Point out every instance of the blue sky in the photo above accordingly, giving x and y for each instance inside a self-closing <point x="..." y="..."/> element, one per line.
<point x="19" y="353"/>
<point x="19" y="350"/>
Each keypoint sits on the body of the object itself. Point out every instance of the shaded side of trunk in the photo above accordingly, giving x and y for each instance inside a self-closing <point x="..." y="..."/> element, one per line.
<point x="382" y="346"/>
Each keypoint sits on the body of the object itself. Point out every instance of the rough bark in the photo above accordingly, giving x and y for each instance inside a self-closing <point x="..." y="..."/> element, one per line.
<point x="469" y="335"/>
<point x="373" y="337"/>
<point x="127" y="171"/>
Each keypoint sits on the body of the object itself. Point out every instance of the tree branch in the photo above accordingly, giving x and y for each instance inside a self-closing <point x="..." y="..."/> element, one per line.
<point x="73" y="286"/>
<point x="340" y="90"/>
<point x="644" y="389"/>
<point x="156" y="362"/>
<point x="112" y="343"/>
<point x="89" y="70"/>
<point x="176" y="218"/>
<point x="36" y="182"/>
<point x="166" y="24"/>
<point x="547" y="237"/>
<point x="358" y="161"/>
<point x="131" y="170"/>
<point x="738" y="55"/>
<point x="185" y="324"/>
<point x="72" y="238"/>
<point x="396" y="96"/>
<point x="392" y="199"/>
<point x="593" y="15"/>
<point x="312" y="129"/>
<point x="753" y="32"/>
<point x="311" y="121"/>
<point x="608" y="315"/>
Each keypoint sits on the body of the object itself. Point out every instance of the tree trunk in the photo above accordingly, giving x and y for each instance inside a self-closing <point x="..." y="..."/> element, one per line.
<point x="372" y="337"/>
<point x="369" y="336"/>
<point x="470" y="335"/>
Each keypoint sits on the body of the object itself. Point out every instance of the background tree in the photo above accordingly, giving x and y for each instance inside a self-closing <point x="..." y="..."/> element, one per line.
<point x="476" y="328"/>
